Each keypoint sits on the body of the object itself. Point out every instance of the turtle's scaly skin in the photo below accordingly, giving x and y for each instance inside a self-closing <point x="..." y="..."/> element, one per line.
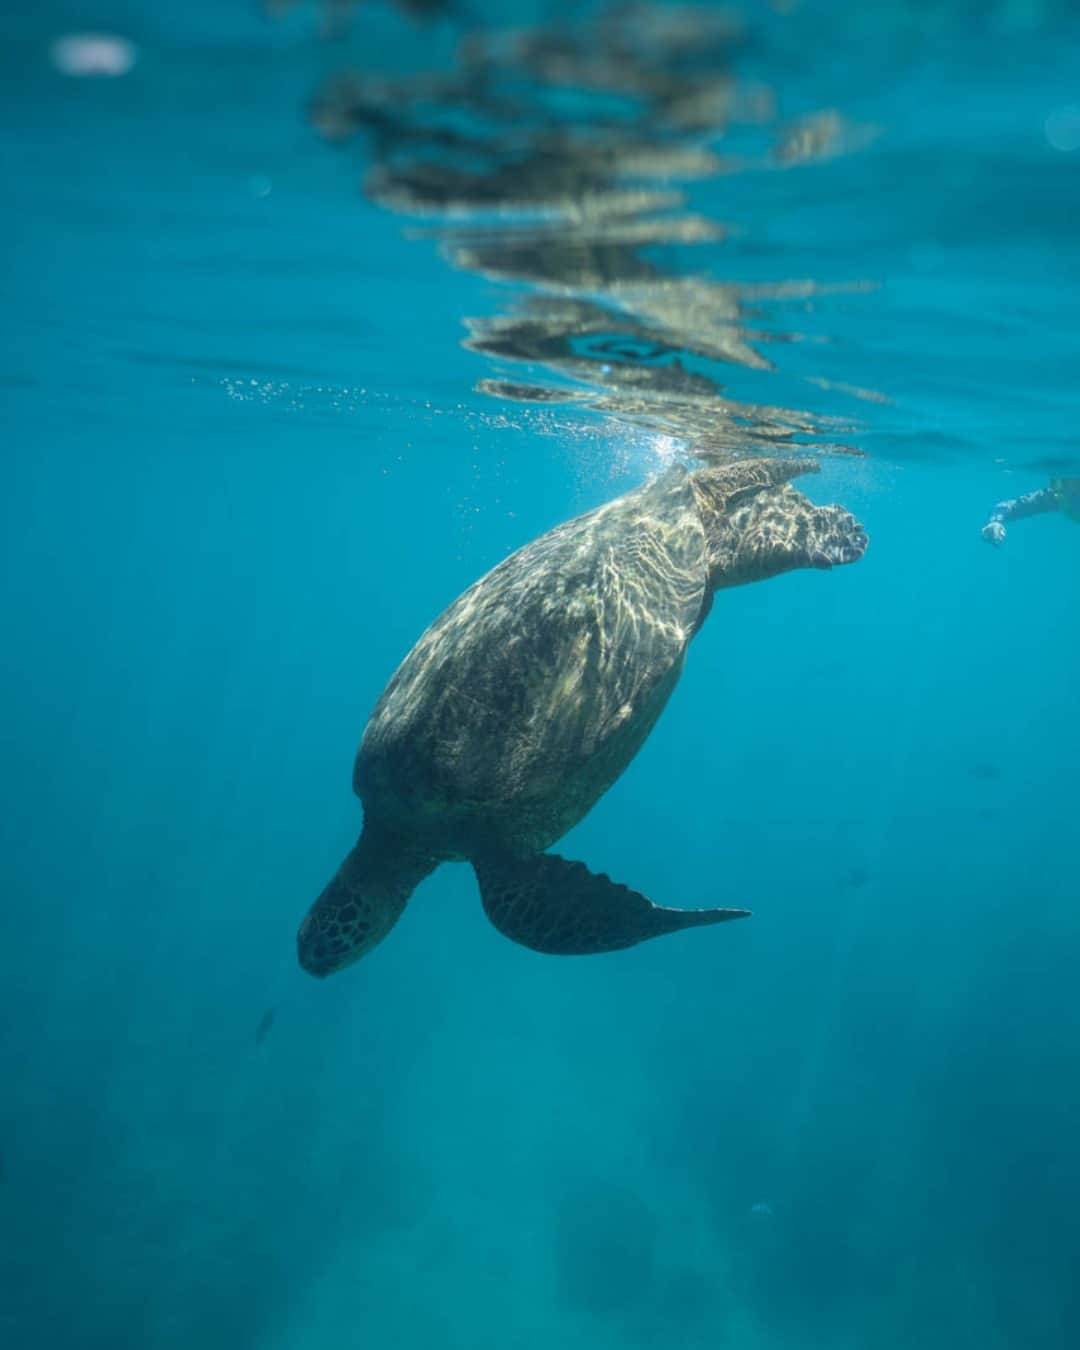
<point x="525" y="700"/>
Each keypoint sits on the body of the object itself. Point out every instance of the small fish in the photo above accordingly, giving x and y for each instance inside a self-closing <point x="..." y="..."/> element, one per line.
<point x="762" y="1210"/>
<point x="984" y="770"/>
<point x="856" y="877"/>
<point x="266" y="1021"/>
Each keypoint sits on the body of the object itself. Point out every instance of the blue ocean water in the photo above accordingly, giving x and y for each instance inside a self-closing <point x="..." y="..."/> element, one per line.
<point x="246" y="461"/>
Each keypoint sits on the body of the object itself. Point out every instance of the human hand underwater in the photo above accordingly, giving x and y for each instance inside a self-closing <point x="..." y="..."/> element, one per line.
<point x="994" y="533"/>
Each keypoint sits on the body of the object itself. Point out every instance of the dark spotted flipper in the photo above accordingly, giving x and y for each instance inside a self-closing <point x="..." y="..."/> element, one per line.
<point x="560" y="907"/>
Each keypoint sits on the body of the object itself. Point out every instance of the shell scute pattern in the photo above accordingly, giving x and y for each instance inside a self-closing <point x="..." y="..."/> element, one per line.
<point x="503" y="702"/>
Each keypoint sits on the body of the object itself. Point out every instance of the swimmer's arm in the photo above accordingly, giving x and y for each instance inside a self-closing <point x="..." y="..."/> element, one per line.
<point x="1017" y="508"/>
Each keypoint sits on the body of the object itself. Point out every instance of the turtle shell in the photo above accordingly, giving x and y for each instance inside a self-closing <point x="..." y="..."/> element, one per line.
<point x="531" y="693"/>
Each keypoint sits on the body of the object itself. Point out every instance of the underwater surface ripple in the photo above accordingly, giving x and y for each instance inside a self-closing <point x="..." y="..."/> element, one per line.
<point x="310" y="317"/>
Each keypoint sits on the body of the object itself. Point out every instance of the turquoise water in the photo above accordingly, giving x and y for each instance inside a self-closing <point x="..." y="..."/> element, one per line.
<point x="246" y="461"/>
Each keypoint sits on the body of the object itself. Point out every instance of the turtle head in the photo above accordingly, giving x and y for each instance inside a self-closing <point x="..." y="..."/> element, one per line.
<point x="360" y="905"/>
<point x="757" y="525"/>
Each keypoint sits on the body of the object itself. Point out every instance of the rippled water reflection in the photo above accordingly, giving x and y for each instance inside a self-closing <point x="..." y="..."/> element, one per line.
<point x="559" y="158"/>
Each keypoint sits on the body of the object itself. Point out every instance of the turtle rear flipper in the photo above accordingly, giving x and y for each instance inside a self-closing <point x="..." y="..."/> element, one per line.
<point x="560" y="907"/>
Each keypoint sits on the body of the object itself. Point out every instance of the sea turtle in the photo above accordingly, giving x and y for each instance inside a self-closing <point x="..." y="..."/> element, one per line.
<point x="525" y="700"/>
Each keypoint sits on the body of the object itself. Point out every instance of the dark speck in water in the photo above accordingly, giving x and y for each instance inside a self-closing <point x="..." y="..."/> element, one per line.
<point x="856" y="877"/>
<point x="266" y="1021"/>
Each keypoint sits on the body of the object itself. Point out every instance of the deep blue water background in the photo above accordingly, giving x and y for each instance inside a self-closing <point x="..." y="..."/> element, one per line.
<point x="243" y="467"/>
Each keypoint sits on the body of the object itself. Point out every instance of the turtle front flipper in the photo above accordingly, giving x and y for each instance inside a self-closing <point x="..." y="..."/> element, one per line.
<point x="561" y="908"/>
